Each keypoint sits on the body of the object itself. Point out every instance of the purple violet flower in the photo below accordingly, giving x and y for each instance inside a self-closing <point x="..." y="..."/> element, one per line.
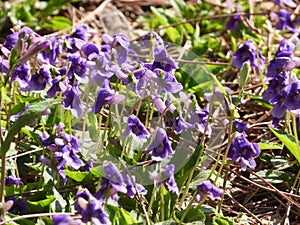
<point x="285" y="22"/>
<point x="243" y="151"/>
<point x="282" y="60"/>
<point x="73" y="102"/>
<point x="58" y="85"/>
<point x="77" y="69"/>
<point x="19" y="206"/>
<point x="233" y="23"/>
<point x="40" y="79"/>
<point x="106" y="96"/>
<point x="289" y="3"/>
<point x="120" y="43"/>
<point x="207" y="188"/>
<point x="91" y="208"/>
<point x="166" y="175"/>
<point x="199" y="118"/>
<point x="136" y="129"/>
<point x="132" y="187"/>
<point x="240" y="126"/>
<point x="292" y="99"/>
<point x="248" y="53"/>
<point x="90" y="51"/>
<point x="21" y="74"/>
<point x="10" y="181"/>
<point x="160" y="147"/>
<point x="59" y="219"/>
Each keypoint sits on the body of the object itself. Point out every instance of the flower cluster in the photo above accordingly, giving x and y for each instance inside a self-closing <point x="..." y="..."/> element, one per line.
<point x="241" y="150"/>
<point x="283" y="89"/>
<point x="63" y="150"/>
<point x="66" y="68"/>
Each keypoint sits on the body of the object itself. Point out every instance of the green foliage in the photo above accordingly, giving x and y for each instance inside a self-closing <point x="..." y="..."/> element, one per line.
<point x="288" y="141"/>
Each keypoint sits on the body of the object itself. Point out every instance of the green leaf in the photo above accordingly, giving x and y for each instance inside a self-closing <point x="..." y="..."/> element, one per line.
<point x="288" y="141"/>
<point x="26" y="118"/>
<point x="97" y="171"/>
<point x="272" y="176"/>
<point x="54" y="5"/>
<point x="58" y="23"/>
<point x="244" y="74"/>
<point x="162" y="19"/>
<point x="13" y="58"/>
<point x="223" y="221"/>
<point x="92" y="125"/>
<point x="268" y="145"/>
<point x="40" y="206"/>
<point x="192" y="215"/>
<point x="76" y="175"/>
<point x="126" y="217"/>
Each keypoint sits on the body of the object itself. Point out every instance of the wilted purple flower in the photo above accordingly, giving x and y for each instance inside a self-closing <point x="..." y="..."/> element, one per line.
<point x="233" y="23"/>
<point x="91" y="208"/>
<point x="132" y="187"/>
<point x="289" y="3"/>
<point x="73" y="102"/>
<point x="243" y="151"/>
<point x="285" y="22"/>
<point x="160" y="147"/>
<point x="209" y="189"/>
<point x="106" y="96"/>
<point x="34" y="49"/>
<point x="248" y="52"/>
<point x="21" y="74"/>
<point x="17" y="37"/>
<point x="40" y="79"/>
<point x="10" y="180"/>
<point x="136" y="129"/>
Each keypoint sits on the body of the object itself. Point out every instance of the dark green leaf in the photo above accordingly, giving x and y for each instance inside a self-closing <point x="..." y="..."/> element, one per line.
<point x="26" y="118"/>
<point x="272" y="176"/>
<point x="289" y="142"/>
<point x="192" y="215"/>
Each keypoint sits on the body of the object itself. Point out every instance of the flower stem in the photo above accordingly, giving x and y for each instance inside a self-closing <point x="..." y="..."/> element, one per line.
<point x="2" y="186"/>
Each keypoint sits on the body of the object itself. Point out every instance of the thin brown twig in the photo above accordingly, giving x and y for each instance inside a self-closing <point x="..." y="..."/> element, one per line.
<point x="281" y="193"/>
<point x="243" y="207"/>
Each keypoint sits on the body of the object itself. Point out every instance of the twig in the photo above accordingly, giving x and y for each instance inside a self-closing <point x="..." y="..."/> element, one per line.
<point x="242" y="207"/>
